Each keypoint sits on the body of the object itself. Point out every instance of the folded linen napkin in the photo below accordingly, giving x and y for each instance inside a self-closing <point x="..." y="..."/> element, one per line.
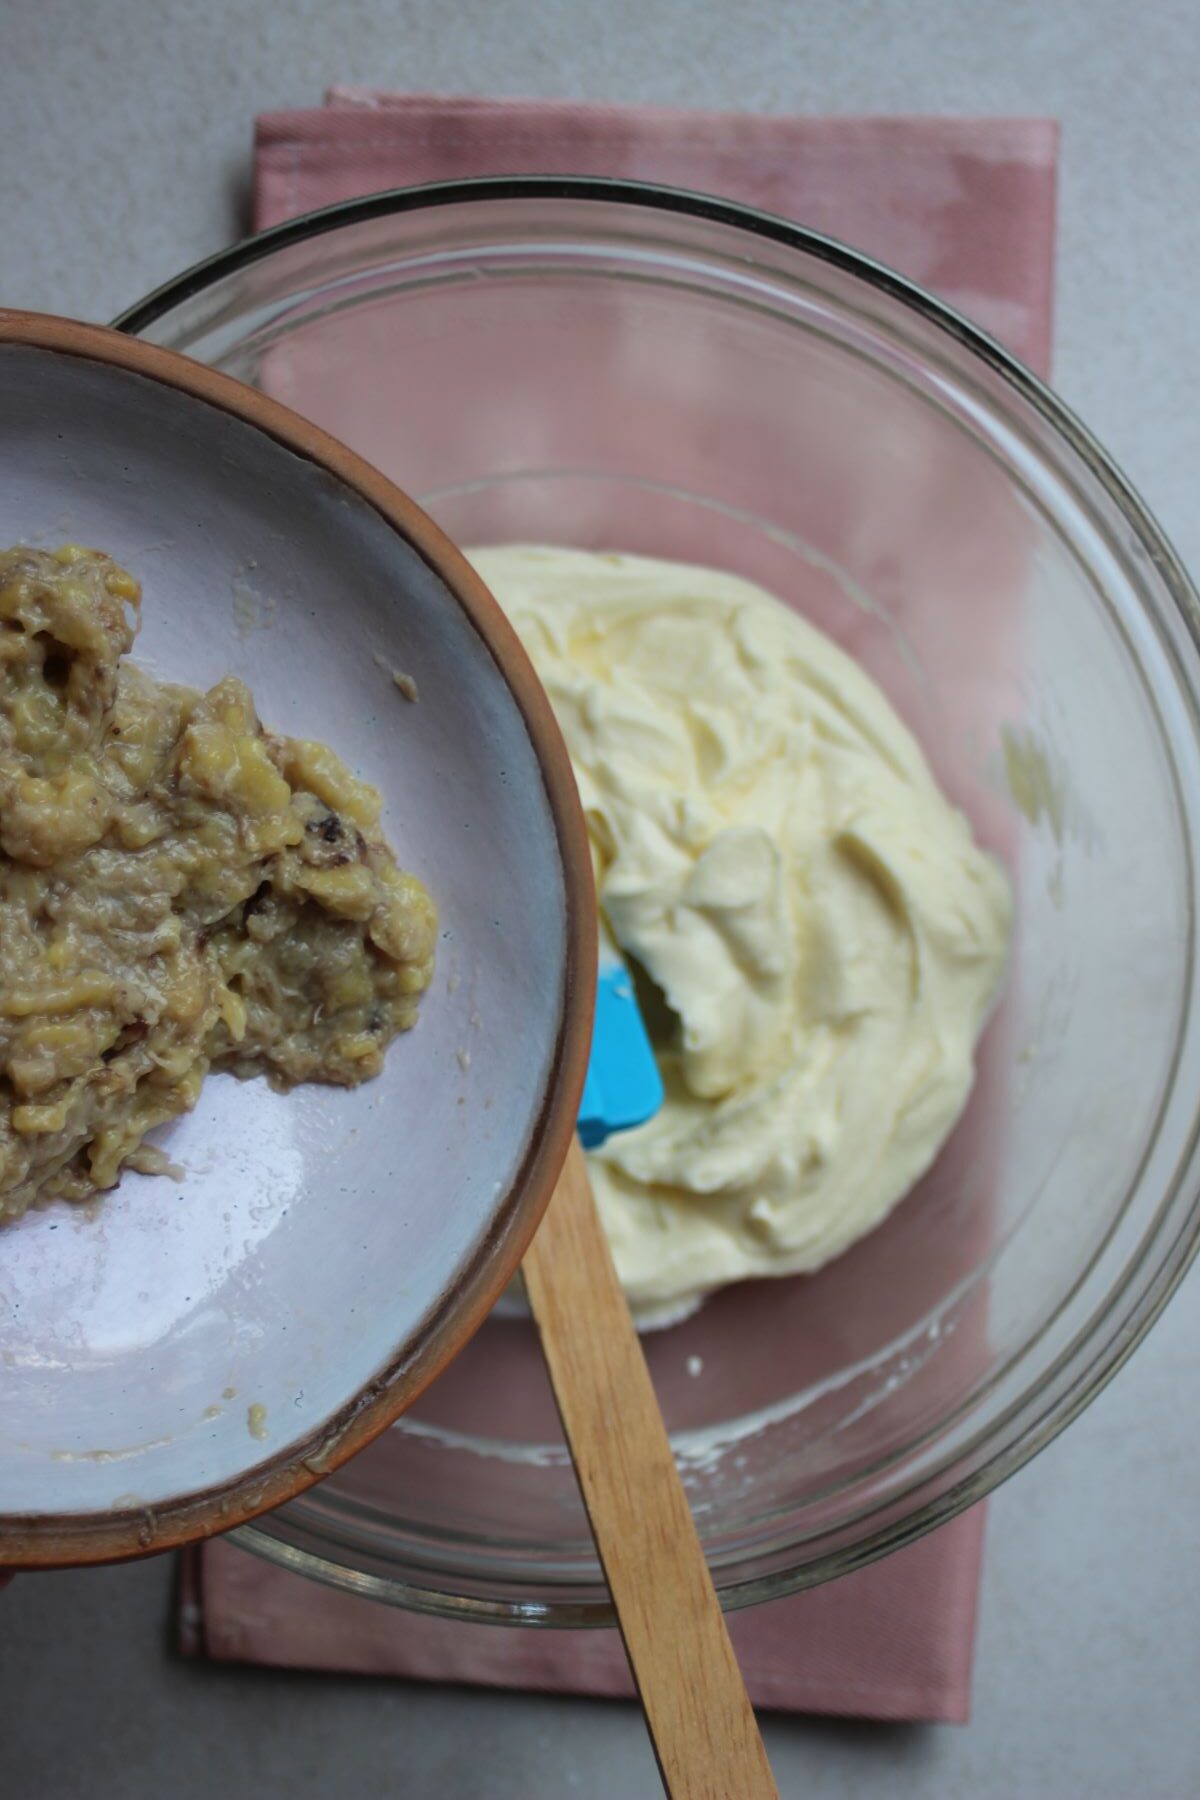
<point x="966" y="208"/>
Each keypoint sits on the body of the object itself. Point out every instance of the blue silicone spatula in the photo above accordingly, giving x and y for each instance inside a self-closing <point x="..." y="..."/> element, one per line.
<point x="701" y="1723"/>
<point x="623" y="1086"/>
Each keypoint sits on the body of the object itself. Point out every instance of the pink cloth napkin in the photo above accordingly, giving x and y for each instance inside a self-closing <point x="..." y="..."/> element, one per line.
<point x="965" y="207"/>
<point x="893" y="1641"/>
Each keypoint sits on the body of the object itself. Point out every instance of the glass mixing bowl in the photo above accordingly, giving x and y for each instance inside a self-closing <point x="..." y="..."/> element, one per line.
<point x="616" y="366"/>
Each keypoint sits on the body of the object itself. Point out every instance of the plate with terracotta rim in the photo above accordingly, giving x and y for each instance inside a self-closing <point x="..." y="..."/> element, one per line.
<point x="188" y="1353"/>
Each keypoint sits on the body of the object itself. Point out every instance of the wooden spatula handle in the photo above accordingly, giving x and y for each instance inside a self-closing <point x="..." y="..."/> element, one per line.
<point x="701" y="1722"/>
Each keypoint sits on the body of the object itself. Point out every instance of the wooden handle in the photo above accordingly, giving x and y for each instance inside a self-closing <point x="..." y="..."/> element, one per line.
<point x="701" y="1722"/>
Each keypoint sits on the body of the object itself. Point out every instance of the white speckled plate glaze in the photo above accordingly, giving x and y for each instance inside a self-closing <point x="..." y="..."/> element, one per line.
<point x="189" y="1352"/>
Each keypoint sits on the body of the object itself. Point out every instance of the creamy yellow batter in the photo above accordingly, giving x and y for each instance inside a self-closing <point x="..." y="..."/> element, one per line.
<point x="824" y="936"/>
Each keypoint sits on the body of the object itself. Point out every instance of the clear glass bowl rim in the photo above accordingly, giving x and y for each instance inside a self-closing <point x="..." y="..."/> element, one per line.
<point x="1095" y="1367"/>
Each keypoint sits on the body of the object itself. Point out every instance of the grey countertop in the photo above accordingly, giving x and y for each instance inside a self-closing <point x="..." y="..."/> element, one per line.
<point x="126" y="133"/>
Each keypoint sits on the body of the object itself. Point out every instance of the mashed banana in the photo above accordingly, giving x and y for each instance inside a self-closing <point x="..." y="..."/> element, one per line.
<point x="180" y="890"/>
<point x="773" y="853"/>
